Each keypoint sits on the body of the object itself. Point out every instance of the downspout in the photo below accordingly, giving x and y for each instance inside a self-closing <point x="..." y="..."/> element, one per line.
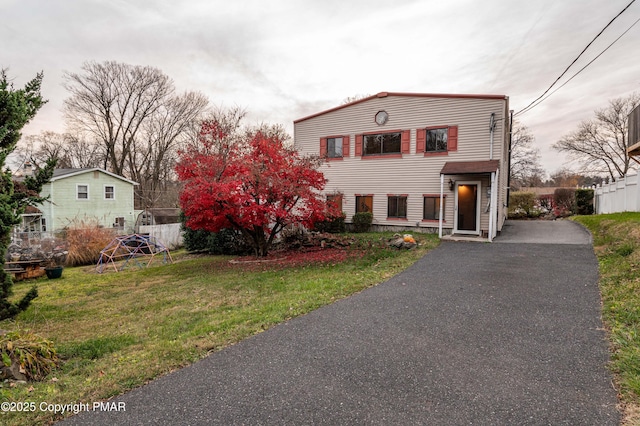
<point x="441" y="199"/>
<point x="492" y="126"/>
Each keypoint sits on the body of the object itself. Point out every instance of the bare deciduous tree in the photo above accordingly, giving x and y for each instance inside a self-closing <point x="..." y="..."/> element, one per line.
<point x="70" y="151"/>
<point x="599" y="145"/>
<point x="152" y="159"/>
<point x="525" y="158"/>
<point x="111" y="101"/>
<point x="133" y="113"/>
<point x="354" y="98"/>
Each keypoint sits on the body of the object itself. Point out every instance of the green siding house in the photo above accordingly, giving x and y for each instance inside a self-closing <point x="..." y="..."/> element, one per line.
<point x="84" y="195"/>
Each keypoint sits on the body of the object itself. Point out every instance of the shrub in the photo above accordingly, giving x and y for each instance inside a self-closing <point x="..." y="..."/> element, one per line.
<point x="333" y="225"/>
<point x="35" y="356"/>
<point x="545" y="203"/>
<point x="564" y="200"/>
<point x="362" y="221"/>
<point x="85" y="239"/>
<point x="196" y="240"/>
<point x="227" y="241"/>
<point x="584" y="201"/>
<point x="521" y="204"/>
<point x="231" y="241"/>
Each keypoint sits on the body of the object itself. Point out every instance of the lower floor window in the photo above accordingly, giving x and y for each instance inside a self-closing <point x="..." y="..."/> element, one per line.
<point x="336" y="200"/>
<point x="397" y="206"/>
<point x="364" y="203"/>
<point x="432" y="207"/>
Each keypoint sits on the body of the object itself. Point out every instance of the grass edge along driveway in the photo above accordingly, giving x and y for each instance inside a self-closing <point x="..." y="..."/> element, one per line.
<point x="616" y="241"/>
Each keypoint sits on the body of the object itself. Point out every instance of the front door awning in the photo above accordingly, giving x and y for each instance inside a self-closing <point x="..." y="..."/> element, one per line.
<point x="469" y="167"/>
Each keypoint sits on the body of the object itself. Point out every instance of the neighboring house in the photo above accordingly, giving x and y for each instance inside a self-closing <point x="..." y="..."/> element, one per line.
<point x="83" y="195"/>
<point x="423" y="162"/>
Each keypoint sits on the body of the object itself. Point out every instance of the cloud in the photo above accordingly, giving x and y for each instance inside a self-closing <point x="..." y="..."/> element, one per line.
<point x="285" y="59"/>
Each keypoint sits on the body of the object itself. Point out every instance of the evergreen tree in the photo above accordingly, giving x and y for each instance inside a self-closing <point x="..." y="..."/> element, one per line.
<point x="17" y="107"/>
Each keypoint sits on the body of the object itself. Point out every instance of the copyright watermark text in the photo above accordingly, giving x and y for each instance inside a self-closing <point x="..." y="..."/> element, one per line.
<point x="75" y="408"/>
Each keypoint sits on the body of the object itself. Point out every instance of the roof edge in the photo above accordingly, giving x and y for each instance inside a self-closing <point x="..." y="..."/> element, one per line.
<point x="403" y="94"/>
<point x="92" y="169"/>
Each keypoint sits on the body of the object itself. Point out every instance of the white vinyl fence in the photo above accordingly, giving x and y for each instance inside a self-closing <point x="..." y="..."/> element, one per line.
<point x="620" y="196"/>
<point x="170" y="235"/>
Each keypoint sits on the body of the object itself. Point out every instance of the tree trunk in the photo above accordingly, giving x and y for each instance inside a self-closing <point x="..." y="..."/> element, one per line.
<point x="262" y="244"/>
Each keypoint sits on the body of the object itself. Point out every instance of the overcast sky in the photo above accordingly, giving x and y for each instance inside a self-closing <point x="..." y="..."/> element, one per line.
<point x="286" y="59"/>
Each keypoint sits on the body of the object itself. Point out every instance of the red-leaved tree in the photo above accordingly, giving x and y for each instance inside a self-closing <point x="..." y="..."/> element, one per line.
<point x="256" y="185"/>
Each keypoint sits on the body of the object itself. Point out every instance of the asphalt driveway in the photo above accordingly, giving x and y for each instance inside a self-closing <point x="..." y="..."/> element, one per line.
<point x="473" y="333"/>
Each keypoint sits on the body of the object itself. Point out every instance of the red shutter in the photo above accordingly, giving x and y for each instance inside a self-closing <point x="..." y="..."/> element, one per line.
<point x="421" y="140"/>
<point x="323" y="147"/>
<point x="452" y="138"/>
<point x="405" y="141"/>
<point x="345" y="146"/>
<point x="359" y="141"/>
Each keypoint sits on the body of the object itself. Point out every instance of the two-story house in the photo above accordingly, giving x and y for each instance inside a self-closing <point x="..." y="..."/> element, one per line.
<point x="425" y="162"/>
<point x="89" y="195"/>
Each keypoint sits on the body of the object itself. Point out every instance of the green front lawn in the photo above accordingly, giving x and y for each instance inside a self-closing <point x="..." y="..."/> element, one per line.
<point x="116" y="331"/>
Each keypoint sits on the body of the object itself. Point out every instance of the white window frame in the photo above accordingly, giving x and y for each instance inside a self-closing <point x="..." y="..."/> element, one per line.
<point x="478" y="230"/>
<point x="78" y="185"/>
<point x="113" y="192"/>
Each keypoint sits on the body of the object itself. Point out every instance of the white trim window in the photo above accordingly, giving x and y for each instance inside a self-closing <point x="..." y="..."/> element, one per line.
<point x="82" y="192"/>
<point x="109" y="192"/>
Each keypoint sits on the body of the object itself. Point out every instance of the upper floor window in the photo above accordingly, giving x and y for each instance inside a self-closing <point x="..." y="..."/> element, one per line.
<point x="82" y="192"/>
<point x="334" y="147"/>
<point x="437" y="140"/>
<point x="109" y="192"/>
<point x="384" y="143"/>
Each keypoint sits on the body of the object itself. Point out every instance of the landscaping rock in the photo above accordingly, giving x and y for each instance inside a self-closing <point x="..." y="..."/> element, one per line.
<point x="13" y="372"/>
<point x="402" y="241"/>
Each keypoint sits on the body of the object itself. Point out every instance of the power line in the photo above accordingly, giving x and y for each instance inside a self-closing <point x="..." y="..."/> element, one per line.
<point x="531" y="105"/>
<point x="583" y="68"/>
